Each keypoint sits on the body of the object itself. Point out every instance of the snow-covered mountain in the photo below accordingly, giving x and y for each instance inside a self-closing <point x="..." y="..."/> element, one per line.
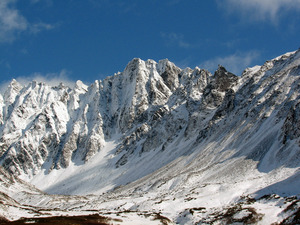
<point x="155" y="138"/>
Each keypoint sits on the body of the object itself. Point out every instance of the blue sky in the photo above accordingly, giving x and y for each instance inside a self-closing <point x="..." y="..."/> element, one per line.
<point x="69" y="40"/>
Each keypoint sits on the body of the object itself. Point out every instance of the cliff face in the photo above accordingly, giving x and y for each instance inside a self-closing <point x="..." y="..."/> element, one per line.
<point x="56" y="125"/>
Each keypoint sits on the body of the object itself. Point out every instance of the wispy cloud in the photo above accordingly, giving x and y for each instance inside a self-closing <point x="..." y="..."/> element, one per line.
<point x="38" y="27"/>
<point x="175" y="39"/>
<point x="260" y="10"/>
<point x="184" y="62"/>
<point x="12" y="22"/>
<point x="234" y="63"/>
<point x="52" y="79"/>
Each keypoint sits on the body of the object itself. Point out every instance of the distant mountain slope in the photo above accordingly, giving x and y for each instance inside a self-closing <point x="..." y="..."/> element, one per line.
<point x="159" y="131"/>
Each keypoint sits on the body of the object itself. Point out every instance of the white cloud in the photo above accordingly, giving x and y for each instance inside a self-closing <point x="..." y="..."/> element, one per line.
<point x="175" y="39"/>
<point x="234" y="63"/>
<point x="12" y="22"/>
<point x="260" y="9"/>
<point x="38" y="27"/>
<point x="52" y="79"/>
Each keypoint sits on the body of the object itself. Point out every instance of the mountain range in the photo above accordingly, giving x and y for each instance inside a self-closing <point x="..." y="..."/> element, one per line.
<point x="156" y="143"/>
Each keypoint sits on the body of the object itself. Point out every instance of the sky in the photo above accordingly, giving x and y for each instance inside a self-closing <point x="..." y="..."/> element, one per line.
<point x="88" y="40"/>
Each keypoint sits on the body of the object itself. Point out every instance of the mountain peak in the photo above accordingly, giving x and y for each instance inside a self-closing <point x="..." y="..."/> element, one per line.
<point x="134" y="63"/>
<point x="79" y="85"/>
<point x="12" y="91"/>
<point x="15" y="84"/>
<point x="224" y="80"/>
<point x="221" y="71"/>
